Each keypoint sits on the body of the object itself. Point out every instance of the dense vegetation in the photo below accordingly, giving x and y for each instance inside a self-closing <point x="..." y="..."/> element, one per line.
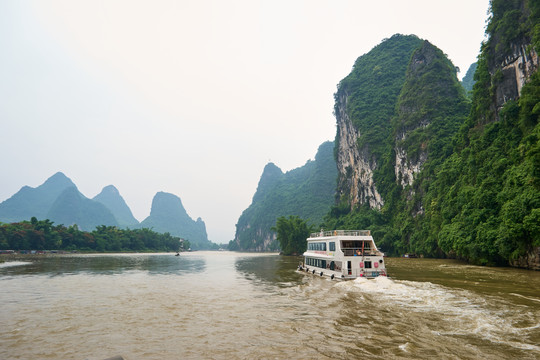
<point x="372" y="89"/>
<point x="486" y="207"/>
<point x="428" y="110"/>
<point x="307" y="191"/>
<point x="44" y="235"/>
<point x="477" y="196"/>
<point x="292" y="233"/>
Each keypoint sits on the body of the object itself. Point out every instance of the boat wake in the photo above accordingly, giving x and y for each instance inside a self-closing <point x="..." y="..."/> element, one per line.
<point x="453" y="312"/>
<point x="14" y="263"/>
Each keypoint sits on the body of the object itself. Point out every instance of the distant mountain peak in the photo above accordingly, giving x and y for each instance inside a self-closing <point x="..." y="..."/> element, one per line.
<point x="110" y="189"/>
<point x="270" y="176"/>
<point x="111" y="198"/>
<point x="58" y="180"/>
<point x="72" y="207"/>
<point x="167" y="204"/>
<point x="169" y="215"/>
<point x="29" y="201"/>
<point x="272" y="169"/>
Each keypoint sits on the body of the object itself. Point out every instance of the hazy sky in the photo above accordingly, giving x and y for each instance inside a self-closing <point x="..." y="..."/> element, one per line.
<point x="191" y="97"/>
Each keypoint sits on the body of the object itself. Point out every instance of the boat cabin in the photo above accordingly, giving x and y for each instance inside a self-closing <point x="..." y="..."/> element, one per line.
<point x="343" y="254"/>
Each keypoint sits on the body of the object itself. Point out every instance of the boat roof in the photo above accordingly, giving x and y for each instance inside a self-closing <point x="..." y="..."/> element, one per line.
<point x="341" y="233"/>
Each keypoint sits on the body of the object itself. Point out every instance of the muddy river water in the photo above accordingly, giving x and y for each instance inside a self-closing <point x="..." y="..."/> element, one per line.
<point x="223" y="305"/>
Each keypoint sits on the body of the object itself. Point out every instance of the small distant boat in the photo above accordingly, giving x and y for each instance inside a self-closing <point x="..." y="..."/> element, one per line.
<point x="343" y="254"/>
<point x="177" y="254"/>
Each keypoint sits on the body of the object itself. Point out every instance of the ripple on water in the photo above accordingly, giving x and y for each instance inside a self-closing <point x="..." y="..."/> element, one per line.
<point x="448" y="313"/>
<point x="14" y="263"/>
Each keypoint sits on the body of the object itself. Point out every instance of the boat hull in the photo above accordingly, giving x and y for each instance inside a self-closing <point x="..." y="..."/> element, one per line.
<point x="335" y="275"/>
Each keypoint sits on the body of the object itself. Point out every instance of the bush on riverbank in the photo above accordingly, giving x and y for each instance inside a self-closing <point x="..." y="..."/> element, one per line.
<point x="43" y="234"/>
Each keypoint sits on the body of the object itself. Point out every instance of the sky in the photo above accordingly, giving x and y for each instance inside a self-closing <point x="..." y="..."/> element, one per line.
<point x="195" y="97"/>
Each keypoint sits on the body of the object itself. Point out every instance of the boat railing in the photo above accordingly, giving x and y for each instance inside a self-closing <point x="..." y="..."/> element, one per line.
<point x="341" y="233"/>
<point x="358" y="252"/>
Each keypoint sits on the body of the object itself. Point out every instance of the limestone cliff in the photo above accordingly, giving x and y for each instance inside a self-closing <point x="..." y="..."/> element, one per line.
<point x="365" y="106"/>
<point x="512" y="73"/>
<point x="510" y="53"/>
<point x="428" y="103"/>
<point x="355" y="166"/>
<point x="394" y="123"/>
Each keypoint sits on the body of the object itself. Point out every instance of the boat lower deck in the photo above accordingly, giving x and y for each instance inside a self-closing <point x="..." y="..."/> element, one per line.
<point x="342" y="275"/>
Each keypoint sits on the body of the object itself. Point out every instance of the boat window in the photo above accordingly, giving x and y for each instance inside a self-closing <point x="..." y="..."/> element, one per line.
<point x="351" y="247"/>
<point x="317" y="246"/>
<point x="367" y="264"/>
<point x="332" y="246"/>
<point x="316" y="262"/>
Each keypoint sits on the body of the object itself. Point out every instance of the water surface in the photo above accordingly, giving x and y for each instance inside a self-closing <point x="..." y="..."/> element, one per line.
<point x="222" y="305"/>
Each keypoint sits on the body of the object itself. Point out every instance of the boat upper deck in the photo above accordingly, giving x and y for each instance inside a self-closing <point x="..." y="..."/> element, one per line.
<point x="349" y="242"/>
<point x="340" y="233"/>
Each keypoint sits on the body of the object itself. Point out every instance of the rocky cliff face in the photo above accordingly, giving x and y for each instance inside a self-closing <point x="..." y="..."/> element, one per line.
<point x="355" y="166"/>
<point x="430" y="89"/>
<point x="515" y="70"/>
<point x="365" y="106"/>
<point x="427" y="98"/>
<point x="405" y="166"/>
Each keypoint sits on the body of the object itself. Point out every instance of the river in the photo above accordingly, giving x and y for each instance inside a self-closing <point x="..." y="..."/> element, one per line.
<point x="224" y="305"/>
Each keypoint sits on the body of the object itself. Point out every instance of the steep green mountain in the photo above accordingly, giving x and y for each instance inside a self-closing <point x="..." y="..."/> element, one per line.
<point x="487" y="207"/>
<point x="111" y="198"/>
<point x="169" y="216"/>
<point x="468" y="80"/>
<point x="366" y="103"/>
<point x="446" y="181"/>
<point x="71" y="207"/>
<point x="384" y="189"/>
<point x="29" y="202"/>
<point x="307" y="191"/>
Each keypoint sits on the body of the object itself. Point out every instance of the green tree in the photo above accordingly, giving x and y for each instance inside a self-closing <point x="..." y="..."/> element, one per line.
<point x="292" y="233"/>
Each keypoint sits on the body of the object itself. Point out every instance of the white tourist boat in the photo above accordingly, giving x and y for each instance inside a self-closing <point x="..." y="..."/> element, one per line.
<point x="343" y="254"/>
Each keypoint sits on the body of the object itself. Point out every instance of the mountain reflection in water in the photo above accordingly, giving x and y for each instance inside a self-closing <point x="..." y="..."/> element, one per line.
<point x="222" y="305"/>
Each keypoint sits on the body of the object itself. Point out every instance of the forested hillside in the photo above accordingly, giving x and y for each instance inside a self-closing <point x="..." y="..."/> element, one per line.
<point x="307" y="191"/>
<point x="450" y="177"/>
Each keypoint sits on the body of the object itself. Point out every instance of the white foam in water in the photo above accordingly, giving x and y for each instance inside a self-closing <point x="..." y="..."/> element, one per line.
<point x="404" y="347"/>
<point x="474" y="313"/>
<point x="14" y="263"/>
